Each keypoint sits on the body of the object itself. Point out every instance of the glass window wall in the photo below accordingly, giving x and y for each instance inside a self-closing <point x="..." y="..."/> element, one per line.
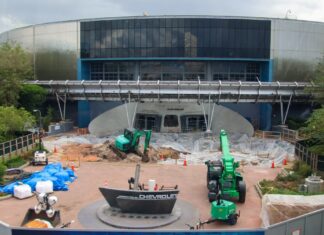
<point x="176" y="37"/>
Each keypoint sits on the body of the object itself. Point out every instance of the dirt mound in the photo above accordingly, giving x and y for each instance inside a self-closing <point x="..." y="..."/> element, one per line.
<point x="99" y="152"/>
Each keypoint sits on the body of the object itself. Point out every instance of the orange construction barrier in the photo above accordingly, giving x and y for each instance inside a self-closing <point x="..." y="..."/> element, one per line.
<point x="284" y="162"/>
<point x="72" y="167"/>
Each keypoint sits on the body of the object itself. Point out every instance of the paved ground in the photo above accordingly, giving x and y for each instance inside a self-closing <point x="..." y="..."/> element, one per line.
<point x="191" y="181"/>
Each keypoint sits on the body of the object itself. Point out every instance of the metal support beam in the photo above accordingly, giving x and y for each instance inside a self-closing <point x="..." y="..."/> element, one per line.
<point x="203" y="108"/>
<point x="281" y="111"/>
<point x="59" y="99"/>
<point x="134" y="114"/>
<point x="284" y="113"/>
<point x="211" y="118"/>
<point x="180" y="91"/>
<point x="287" y="110"/>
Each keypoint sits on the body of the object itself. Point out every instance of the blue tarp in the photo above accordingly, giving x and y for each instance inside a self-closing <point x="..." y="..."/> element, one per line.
<point x="54" y="172"/>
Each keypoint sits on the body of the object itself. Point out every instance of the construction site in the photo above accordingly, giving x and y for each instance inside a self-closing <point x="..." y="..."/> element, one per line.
<point x="174" y="159"/>
<point x="164" y="124"/>
<point x="190" y="166"/>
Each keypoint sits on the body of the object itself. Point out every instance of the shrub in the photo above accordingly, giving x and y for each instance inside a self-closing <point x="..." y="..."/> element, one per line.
<point x="288" y="178"/>
<point x="302" y="169"/>
<point x="15" y="162"/>
<point x="3" y="169"/>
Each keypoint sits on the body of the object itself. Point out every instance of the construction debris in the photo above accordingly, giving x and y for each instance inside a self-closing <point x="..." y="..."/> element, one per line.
<point x="173" y="148"/>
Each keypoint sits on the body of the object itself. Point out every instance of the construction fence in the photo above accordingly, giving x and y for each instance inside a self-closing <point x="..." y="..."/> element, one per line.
<point x="301" y="152"/>
<point x="308" y="224"/>
<point x="17" y="146"/>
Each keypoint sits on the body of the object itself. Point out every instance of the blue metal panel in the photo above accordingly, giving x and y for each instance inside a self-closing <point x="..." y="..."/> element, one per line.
<point x="266" y="109"/>
<point x="83" y="70"/>
<point x="83" y="113"/>
<point x="270" y="66"/>
<point x="265" y="116"/>
<point x="80" y="232"/>
<point x="79" y="69"/>
<point x="83" y="106"/>
<point x="175" y="58"/>
<point x="266" y="71"/>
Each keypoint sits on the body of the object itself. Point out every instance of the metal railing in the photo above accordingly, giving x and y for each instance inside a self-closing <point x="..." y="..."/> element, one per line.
<point x="185" y="91"/>
<point x="303" y="154"/>
<point x="292" y="136"/>
<point x="17" y="146"/>
<point x="268" y="134"/>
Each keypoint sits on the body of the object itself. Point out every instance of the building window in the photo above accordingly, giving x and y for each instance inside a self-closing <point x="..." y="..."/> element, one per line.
<point x="112" y="71"/>
<point x="171" y="121"/>
<point x="235" y="71"/>
<point x="172" y="70"/>
<point x="176" y="37"/>
<point x="191" y="123"/>
<point x="148" y="122"/>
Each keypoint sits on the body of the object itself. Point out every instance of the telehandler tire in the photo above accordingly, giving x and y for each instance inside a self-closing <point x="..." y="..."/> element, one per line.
<point x="242" y="191"/>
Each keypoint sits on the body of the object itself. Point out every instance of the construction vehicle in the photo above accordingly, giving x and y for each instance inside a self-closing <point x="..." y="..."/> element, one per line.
<point x="223" y="181"/>
<point x="129" y="142"/>
<point x="40" y="155"/>
<point x="221" y="210"/>
<point x="222" y="175"/>
<point x="44" y="211"/>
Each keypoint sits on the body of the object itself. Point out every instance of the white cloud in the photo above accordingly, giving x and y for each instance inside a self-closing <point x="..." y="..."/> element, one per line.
<point x="8" y="22"/>
<point x="14" y="13"/>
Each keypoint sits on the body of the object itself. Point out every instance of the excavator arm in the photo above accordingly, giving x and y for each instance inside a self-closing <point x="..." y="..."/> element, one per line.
<point x="148" y="134"/>
<point x="136" y="140"/>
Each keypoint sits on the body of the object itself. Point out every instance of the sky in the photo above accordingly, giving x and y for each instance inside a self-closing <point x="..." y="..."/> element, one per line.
<point x="19" y="13"/>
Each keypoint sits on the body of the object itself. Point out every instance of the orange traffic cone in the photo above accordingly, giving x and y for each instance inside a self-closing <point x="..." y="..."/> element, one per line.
<point x="185" y="162"/>
<point x="284" y="162"/>
<point x="273" y="164"/>
<point x="55" y="150"/>
<point x="72" y="167"/>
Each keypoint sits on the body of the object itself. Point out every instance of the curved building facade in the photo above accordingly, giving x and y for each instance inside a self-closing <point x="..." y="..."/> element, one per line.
<point x="174" y="48"/>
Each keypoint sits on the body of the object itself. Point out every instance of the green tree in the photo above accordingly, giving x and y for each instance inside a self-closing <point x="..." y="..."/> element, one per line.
<point x="14" y="120"/>
<point x="318" y="91"/>
<point x="15" y="66"/>
<point x="315" y="130"/>
<point x="31" y="97"/>
<point x="315" y="124"/>
<point x="48" y="117"/>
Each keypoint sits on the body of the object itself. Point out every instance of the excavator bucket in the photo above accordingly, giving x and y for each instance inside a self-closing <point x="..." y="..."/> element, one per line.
<point x="31" y="215"/>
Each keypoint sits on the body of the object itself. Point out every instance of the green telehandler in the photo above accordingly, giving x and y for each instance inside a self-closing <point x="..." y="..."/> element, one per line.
<point x="223" y="173"/>
<point x="129" y="142"/>
<point x="223" y="181"/>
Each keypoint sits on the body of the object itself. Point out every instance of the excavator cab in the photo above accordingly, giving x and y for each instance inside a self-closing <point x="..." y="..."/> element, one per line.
<point x="129" y="142"/>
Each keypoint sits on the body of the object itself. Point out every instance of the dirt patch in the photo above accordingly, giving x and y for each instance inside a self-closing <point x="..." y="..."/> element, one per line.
<point x="98" y="152"/>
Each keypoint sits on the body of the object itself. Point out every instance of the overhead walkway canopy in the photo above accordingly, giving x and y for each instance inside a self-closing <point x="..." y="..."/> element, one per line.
<point x="179" y="91"/>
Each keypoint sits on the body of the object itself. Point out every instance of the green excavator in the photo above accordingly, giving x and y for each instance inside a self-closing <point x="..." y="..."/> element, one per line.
<point x="129" y="142"/>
